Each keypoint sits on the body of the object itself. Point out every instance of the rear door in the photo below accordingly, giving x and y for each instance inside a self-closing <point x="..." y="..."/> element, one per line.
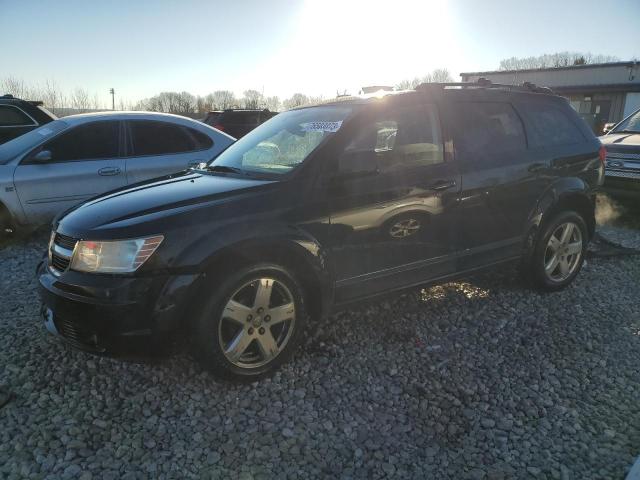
<point x="501" y="181"/>
<point x="156" y="148"/>
<point x="85" y="161"/>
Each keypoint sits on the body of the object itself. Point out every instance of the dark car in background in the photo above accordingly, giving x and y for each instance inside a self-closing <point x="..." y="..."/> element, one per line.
<point x="320" y="207"/>
<point x="18" y="117"/>
<point x="237" y="122"/>
<point x="622" y="173"/>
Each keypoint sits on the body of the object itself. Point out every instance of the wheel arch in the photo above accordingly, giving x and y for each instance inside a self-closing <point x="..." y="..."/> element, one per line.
<point x="567" y="194"/>
<point x="303" y="257"/>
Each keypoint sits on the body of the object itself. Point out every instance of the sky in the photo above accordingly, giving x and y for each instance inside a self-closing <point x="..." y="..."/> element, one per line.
<point x="279" y="47"/>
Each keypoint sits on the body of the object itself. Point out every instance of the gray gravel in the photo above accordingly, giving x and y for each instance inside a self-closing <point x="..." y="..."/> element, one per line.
<point x="481" y="379"/>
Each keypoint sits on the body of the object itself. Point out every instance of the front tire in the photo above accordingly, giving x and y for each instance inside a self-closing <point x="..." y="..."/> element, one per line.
<point x="559" y="252"/>
<point x="252" y="323"/>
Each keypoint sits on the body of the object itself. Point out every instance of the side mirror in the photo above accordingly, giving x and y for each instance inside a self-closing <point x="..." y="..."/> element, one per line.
<point x="357" y="164"/>
<point x="608" y="127"/>
<point x="42" y="156"/>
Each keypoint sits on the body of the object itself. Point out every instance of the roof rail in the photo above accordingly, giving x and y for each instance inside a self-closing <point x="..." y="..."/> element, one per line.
<point x="483" y="82"/>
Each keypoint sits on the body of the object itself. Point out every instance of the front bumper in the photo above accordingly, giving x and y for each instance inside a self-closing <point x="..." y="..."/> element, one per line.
<point x="622" y="187"/>
<point x="113" y="314"/>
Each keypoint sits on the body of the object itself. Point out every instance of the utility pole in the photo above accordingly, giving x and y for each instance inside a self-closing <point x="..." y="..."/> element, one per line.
<point x="113" y="98"/>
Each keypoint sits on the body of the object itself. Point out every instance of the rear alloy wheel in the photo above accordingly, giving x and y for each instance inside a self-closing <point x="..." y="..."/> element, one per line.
<point x="252" y="324"/>
<point x="559" y="252"/>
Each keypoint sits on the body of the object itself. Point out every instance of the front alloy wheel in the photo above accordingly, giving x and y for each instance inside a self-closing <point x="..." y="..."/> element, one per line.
<point x="257" y="322"/>
<point x="252" y="323"/>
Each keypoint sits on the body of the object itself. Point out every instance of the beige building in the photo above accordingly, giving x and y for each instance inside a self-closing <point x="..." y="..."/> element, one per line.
<point x="600" y="93"/>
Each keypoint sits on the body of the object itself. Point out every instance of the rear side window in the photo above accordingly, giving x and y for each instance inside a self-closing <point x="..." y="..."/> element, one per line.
<point x="487" y="127"/>
<point x="548" y="125"/>
<point x="160" y="138"/>
<point x="86" y="142"/>
<point x="11" y="116"/>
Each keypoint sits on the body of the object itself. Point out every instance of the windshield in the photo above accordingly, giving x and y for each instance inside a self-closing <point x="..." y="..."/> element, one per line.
<point x="284" y="142"/>
<point x="629" y="124"/>
<point x="9" y="150"/>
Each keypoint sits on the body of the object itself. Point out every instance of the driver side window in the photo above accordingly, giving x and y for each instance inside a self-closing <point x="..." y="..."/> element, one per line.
<point x="90" y="141"/>
<point x="401" y="138"/>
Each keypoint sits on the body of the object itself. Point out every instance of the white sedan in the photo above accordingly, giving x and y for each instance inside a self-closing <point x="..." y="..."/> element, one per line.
<point x="65" y="162"/>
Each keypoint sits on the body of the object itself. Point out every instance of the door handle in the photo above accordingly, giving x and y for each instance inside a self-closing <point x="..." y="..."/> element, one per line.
<point x="442" y="184"/>
<point x="109" y="171"/>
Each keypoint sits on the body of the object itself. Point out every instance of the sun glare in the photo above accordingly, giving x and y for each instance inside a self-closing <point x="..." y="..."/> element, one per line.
<point x="371" y="42"/>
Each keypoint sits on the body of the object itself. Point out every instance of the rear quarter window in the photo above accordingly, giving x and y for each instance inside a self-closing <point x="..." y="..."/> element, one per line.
<point x="548" y="125"/>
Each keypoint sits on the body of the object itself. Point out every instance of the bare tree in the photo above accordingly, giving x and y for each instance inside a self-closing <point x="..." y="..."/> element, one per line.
<point x="272" y="103"/>
<point x="80" y="100"/>
<point x="439" y="75"/>
<point x="252" y="99"/>
<point x="296" y="100"/>
<point x="221" y="99"/>
<point x="554" y="60"/>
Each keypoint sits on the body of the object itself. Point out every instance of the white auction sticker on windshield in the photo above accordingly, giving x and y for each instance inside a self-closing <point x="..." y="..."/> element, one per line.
<point x="321" y="126"/>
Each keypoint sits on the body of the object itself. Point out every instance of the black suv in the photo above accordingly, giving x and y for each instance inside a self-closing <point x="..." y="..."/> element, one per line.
<point x="18" y="117"/>
<point x="236" y="122"/>
<point x="322" y="206"/>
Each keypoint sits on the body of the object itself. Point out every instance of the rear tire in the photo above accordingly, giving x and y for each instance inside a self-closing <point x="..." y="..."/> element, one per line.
<point x="559" y="252"/>
<point x="251" y="324"/>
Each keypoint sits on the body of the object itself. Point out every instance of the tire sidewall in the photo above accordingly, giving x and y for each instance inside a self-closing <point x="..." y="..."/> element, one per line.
<point x="206" y="331"/>
<point x="537" y="265"/>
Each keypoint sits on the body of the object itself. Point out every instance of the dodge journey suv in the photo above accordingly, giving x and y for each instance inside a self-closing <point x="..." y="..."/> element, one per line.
<point x="322" y="206"/>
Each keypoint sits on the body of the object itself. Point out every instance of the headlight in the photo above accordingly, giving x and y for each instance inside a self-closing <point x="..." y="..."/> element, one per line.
<point x="113" y="256"/>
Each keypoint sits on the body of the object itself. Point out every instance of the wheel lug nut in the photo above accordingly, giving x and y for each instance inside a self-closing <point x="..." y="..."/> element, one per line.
<point x="251" y="331"/>
<point x="261" y="331"/>
<point x="267" y="318"/>
<point x="249" y="317"/>
<point x="260" y="310"/>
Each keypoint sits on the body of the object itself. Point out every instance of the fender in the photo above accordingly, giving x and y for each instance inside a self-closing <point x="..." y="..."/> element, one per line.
<point x="296" y="245"/>
<point x="563" y="189"/>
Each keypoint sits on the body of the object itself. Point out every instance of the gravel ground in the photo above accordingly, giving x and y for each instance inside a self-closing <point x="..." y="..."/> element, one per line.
<point x="477" y="379"/>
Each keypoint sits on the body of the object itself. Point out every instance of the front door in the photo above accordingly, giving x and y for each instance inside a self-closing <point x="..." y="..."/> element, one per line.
<point x="389" y="202"/>
<point x="85" y="162"/>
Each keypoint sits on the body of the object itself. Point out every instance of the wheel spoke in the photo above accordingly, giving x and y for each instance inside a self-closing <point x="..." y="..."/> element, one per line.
<point x="238" y="346"/>
<point x="281" y="313"/>
<point x="263" y="293"/>
<point x="574" y="248"/>
<point x="267" y="344"/>
<point x="236" y="311"/>
<point x="551" y="264"/>
<point x="565" y="267"/>
<point x="567" y="233"/>
<point x="553" y="244"/>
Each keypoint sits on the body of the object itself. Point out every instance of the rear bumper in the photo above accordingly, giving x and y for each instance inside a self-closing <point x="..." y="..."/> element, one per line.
<point x="115" y="315"/>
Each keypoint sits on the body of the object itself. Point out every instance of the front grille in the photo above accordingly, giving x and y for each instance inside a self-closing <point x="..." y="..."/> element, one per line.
<point x="65" y="241"/>
<point x="61" y="257"/>
<point x="619" y="174"/>
<point x="623" y="156"/>
<point x="77" y="334"/>
<point x="59" y="263"/>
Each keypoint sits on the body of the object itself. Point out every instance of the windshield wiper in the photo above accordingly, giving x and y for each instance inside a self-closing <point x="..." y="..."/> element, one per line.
<point x="225" y="168"/>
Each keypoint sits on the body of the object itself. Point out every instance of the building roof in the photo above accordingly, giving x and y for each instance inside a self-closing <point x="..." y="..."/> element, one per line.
<point x="547" y="69"/>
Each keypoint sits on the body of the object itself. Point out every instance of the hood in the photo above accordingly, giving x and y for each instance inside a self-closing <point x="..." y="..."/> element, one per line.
<point x="154" y="201"/>
<point x="621" y="141"/>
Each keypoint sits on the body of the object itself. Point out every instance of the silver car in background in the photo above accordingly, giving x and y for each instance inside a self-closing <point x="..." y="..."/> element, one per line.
<point x="54" y="167"/>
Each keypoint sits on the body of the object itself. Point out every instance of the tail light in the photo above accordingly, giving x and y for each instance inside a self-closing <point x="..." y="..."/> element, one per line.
<point x="603" y="155"/>
<point x="217" y="126"/>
